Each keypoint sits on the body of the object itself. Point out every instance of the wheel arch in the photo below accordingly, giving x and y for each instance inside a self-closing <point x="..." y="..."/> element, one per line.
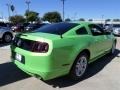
<point x="7" y="33"/>
<point x="73" y="64"/>
<point x="87" y="51"/>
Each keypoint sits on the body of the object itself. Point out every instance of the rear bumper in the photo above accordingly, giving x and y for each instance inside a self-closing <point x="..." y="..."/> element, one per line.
<point x="45" y="75"/>
<point x="41" y="66"/>
<point x="36" y="72"/>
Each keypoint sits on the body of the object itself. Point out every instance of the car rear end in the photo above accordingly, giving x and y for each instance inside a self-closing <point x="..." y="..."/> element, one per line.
<point x="35" y="55"/>
<point x="43" y="53"/>
<point x="32" y="55"/>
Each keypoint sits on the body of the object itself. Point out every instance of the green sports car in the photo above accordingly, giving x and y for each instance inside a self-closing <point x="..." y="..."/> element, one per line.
<point x="61" y="48"/>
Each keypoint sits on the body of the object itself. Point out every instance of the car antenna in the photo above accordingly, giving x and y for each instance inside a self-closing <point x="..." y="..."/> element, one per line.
<point x="61" y="36"/>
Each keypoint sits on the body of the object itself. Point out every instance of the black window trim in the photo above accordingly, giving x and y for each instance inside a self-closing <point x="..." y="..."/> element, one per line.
<point x="98" y="27"/>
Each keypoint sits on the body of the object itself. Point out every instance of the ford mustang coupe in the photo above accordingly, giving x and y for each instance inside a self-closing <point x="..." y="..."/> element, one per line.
<point x="60" y="49"/>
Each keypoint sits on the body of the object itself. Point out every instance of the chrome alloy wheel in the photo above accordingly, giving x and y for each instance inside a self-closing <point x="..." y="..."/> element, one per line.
<point x="81" y="66"/>
<point x="8" y="38"/>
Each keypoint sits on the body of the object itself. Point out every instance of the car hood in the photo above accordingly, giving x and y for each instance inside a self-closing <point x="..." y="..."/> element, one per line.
<point x="117" y="29"/>
<point x="4" y="29"/>
<point x="39" y="35"/>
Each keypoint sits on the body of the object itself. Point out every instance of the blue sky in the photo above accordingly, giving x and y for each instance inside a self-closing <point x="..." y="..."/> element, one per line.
<point x="74" y="9"/>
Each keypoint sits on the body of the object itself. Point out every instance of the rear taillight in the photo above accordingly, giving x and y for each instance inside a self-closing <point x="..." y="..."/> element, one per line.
<point x="40" y="47"/>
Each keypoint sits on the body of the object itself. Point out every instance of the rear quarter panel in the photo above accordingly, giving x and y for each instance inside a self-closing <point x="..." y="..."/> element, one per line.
<point x="66" y="50"/>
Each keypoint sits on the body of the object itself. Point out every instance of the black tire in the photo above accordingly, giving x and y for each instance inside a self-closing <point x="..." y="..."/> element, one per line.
<point x="74" y="73"/>
<point x="7" y="37"/>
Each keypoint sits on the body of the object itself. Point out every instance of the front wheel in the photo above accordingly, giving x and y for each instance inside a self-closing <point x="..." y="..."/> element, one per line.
<point x="7" y="38"/>
<point x="79" y="67"/>
<point x="112" y="51"/>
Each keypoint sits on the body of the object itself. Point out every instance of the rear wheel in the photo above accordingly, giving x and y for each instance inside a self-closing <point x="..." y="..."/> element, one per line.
<point x="7" y="37"/>
<point x="79" y="67"/>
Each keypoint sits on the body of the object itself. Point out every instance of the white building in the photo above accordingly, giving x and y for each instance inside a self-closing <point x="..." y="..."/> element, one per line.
<point x="99" y="21"/>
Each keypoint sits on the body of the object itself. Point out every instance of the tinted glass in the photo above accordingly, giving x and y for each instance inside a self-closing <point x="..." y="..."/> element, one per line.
<point x="57" y="28"/>
<point x="82" y="31"/>
<point x="96" y="30"/>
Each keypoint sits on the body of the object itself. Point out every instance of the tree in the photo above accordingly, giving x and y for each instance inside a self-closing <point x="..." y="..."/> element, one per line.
<point x="67" y="19"/>
<point x="52" y="17"/>
<point x="108" y="20"/>
<point x="116" y="20"/>
<point x="90" y="20"/>
<point x="17" y="19"/>
<point x="31" y="16"/>
<point x="81" y="19"/>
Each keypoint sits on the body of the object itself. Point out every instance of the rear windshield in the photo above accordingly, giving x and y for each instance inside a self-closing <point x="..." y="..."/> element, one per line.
<point x="57" y="28"/>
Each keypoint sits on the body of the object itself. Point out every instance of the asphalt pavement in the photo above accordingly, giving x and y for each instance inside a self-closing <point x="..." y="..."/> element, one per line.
<point x="104" y="74"/>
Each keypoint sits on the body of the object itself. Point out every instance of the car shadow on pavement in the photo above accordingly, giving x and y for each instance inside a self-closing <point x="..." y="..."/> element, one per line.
<point x="4" y="44"/>
<point x="9" y="73"/>
<point x="93" y="69"/>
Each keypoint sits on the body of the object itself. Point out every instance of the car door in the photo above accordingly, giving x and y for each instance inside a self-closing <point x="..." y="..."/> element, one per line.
<point x="109" y="40"/>
<point x="99" y="40"/>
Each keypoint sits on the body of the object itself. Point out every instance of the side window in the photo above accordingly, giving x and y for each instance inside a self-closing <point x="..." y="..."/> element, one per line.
<point x="81" y="31"/>
<point x="96" y="30"/>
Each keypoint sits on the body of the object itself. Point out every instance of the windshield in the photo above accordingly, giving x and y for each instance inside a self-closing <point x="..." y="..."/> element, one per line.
<point x="57" y="28"/>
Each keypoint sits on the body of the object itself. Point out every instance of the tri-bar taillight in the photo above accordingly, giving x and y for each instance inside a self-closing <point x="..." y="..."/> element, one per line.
<point x="30" y="45"/>
<point x="40" y="47"/>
